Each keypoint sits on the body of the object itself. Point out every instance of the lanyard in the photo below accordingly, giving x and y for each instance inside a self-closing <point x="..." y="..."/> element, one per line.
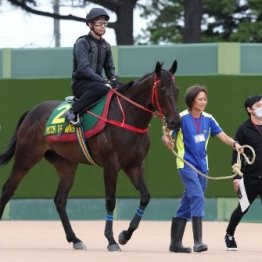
<point x="197" y="124"/>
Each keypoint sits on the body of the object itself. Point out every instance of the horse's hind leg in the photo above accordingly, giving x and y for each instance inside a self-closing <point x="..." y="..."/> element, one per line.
<point x="66" y="171"/>
<point x="24" y="160"/>
<point x="136" y="175"/>
<point x="9" y="188"/>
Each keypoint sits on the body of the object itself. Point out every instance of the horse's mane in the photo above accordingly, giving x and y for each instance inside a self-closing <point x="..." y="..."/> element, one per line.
<point x="124" y="87"/>
<point x="132" y="84"/>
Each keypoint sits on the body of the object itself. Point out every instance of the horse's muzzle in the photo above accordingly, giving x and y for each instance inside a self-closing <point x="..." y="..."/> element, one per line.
<point x="174" y="125"/>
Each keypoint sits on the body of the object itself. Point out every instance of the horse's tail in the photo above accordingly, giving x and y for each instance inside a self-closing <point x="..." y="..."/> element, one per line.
<point x="9" y="152"/>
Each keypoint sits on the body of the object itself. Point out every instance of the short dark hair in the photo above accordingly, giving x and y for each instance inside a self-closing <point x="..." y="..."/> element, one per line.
<point x="192" y="92"/>
<point x="251" y="100"/>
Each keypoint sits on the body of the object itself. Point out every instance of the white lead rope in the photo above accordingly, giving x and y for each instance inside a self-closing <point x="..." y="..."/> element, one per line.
<point x="236" y="168"/>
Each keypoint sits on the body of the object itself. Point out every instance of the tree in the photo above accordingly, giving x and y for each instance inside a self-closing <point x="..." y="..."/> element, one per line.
<point x="194" y="21"/>
<point x="124" y="12"/>
<point x="167" y="22"/>
<point x="233" y="21"/>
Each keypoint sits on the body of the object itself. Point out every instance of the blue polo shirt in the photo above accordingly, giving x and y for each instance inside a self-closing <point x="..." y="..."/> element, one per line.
<point x="192" y="139"/>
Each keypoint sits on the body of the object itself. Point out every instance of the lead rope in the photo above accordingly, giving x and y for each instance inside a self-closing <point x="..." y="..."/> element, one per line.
<point x="236" y="168"/>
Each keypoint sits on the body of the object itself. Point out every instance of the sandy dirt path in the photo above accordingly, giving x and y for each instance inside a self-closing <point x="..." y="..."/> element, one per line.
<point x="45" y="241"/>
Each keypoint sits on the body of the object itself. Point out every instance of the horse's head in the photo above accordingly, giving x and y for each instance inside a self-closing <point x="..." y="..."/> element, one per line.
<point x="165" y="95"/>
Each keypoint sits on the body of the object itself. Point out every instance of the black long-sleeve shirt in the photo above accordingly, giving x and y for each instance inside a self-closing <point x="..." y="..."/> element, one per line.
<point x="90" y="57"/>
<point x="250" y="134"/>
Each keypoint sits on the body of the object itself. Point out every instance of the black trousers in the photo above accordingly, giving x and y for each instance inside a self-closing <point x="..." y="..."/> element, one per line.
<point x="87" y="93"/>
<point x="253" y="189"/>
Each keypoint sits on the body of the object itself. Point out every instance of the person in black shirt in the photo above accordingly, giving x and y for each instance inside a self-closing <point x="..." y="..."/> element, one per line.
<point x="91" y="55"/>
<point x="249" y="133"/>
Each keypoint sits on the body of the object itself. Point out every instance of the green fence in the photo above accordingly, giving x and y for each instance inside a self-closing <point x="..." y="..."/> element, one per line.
<point x="217" y="209"/>
<point x="135" y="61"/>
<point x="192" y="59"/>
<point x="226" y="96"/>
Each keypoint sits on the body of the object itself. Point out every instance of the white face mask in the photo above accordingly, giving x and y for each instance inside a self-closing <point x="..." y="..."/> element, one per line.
<point x="258" y="112"/>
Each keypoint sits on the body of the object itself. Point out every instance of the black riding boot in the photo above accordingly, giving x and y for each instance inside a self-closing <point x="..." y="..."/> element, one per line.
<point x="197" y="233"/>
<point x="177" y="232"/>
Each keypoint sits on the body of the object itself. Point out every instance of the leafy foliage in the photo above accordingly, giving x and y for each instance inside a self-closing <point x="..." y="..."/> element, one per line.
<point x="222" y="21"/>
<point x="165" y="26"/>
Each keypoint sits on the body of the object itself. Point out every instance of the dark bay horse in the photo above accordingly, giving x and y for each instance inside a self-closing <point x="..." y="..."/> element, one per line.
<point x="113" y="149"/>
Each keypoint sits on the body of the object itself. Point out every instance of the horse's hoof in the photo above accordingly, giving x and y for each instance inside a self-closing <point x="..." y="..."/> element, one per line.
<point x="122" y="239"/>
<point x="114" y="247"/>
<point x="79" y="246"/>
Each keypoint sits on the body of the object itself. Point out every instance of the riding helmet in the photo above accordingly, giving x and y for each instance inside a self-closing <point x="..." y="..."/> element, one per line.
<point x="96" y="12"/>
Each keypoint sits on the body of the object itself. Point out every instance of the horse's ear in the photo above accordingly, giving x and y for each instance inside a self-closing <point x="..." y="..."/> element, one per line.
<point x="158" y="69"/>
<point x="173" y="68"/>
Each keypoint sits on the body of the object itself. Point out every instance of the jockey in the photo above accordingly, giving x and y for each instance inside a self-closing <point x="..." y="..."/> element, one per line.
<point x="91" y="55"/>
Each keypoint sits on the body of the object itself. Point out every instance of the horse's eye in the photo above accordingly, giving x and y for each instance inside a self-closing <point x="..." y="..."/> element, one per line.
<point x="162" y="91"/>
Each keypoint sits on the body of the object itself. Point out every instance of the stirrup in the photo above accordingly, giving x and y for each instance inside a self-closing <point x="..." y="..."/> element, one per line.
<point x="76" y="122"/>
<point x="70" y="99"/>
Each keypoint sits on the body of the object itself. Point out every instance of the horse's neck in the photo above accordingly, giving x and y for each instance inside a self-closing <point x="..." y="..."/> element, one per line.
<point x="140" y="93"/>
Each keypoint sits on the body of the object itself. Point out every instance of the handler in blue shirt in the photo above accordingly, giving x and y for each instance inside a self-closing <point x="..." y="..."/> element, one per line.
<point x="191" y="142"/>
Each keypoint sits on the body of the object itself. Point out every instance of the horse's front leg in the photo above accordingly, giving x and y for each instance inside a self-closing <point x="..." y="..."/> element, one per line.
<point x="136" y="175"/>
<point x="110" y="178"/>
<point x="66" y="171"/>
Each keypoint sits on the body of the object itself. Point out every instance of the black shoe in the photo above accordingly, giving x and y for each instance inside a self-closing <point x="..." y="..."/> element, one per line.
<point x="72" y="118"/>
<point x="230" y="243"/>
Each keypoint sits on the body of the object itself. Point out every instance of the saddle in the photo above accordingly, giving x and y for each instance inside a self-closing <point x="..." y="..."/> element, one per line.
<point x="91" y="125"/>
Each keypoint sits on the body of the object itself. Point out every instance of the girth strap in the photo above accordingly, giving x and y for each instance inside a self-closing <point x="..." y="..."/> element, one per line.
<point x="85" y="150"/>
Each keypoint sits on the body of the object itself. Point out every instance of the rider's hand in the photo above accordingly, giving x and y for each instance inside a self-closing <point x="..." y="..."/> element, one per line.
<point x="108" y="85"/>
<point x="113" y="82"/>
<point x="168" y="142"/>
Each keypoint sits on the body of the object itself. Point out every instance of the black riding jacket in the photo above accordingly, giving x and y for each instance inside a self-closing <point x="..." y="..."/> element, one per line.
<point x="249" y="134"/>
<point x="90" y="57"/>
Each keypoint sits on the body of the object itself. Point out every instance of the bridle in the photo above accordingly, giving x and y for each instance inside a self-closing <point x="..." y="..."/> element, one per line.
<point x="123" y="124"/>
<point x="154" y="99"/>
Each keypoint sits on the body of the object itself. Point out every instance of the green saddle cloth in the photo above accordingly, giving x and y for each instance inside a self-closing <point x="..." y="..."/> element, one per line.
<point x="56" y="120"/>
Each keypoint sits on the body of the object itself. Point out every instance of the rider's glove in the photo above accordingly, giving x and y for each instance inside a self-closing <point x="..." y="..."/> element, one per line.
<point x="113" y="82"/>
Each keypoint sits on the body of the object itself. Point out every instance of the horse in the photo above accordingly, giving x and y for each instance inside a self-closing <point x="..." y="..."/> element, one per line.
<point x="115" y="148"/>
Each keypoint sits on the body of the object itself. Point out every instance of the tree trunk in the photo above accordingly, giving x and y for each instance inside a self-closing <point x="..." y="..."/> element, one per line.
<point x="56" y="8"/>
<point x="193" y="15"/>
<point x="124" y="23"/>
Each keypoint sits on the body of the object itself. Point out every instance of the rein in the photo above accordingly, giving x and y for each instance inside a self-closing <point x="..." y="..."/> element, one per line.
<point x="154" y="97"/>
<point x="120" y="124"/>
<point x="236" y="168"/>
